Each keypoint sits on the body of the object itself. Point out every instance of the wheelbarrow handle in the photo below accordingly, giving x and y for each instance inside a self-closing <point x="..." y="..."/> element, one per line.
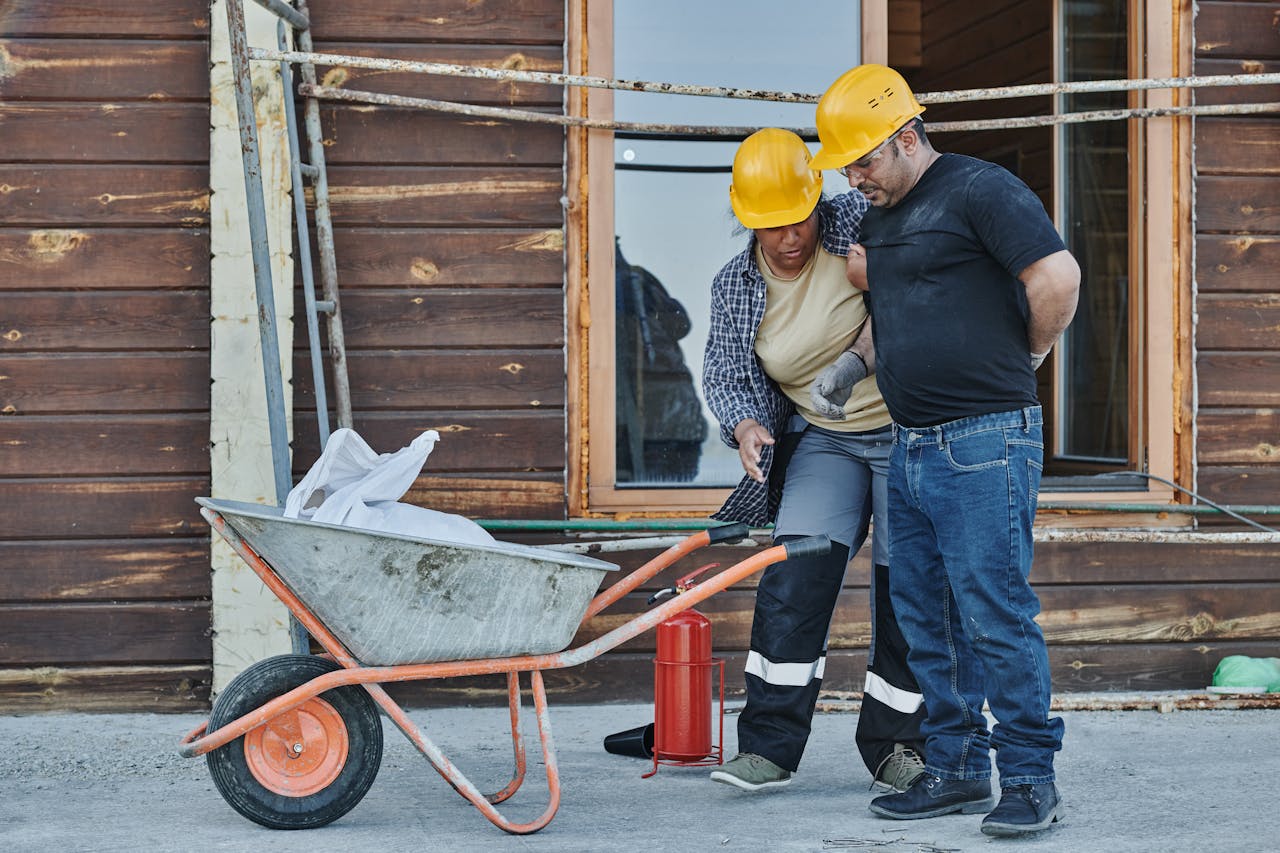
<point x="701" y="539"/>
<point x="728" y="533"/>
<point x="809" y="546"/>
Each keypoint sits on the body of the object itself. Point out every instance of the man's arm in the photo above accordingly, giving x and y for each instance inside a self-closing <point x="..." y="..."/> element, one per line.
<point x="1053" y="286"/>
<point x="855" y="268"/>
<point x="865" y="346"/>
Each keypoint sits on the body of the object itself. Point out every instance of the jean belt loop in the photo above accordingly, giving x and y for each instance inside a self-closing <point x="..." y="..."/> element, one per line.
<point x="894" y="426"/>
<point x="1026" y="419"/>
<point x="942" y="441"/>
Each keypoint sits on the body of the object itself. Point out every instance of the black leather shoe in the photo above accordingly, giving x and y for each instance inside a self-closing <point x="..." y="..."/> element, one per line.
<point x="931" y="796"/>
<point x="1024" y="808"/>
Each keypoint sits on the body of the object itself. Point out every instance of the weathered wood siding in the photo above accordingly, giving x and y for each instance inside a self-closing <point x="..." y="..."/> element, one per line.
<point x="1237" y="335"/>
<point x="1238" y="261"/>
<point x="104" y="335"/>
<point x="1117" y="617"/>
<point x="450" y="243"/>
<point x="450" y="248"/>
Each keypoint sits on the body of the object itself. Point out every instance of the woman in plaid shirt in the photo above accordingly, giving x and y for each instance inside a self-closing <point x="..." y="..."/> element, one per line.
<point x="786" y="374"/>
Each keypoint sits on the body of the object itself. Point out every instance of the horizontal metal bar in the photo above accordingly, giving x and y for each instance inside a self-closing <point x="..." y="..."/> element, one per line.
<point x="557" y="79"/>
<point x="1168" y="536"/>
<point x="324" y="306"/>
<point x="742" y="131"/>
<point x="645" y="543"/>
<point x="512" y="75"/>
<point x="308" y="170"/>
<point x="633" y="525"/>
<point x="851" y="701"/>
<point x="1100" y="115"/>
<point x="606" y="525"/>
<point x="1186" y="509"/>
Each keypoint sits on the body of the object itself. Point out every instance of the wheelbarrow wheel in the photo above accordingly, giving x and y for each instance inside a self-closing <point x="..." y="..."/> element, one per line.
<point x="304" y="768"/>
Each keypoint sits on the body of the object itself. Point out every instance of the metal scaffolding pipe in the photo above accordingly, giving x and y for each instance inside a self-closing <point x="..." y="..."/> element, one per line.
<point x="299" y="20"/>
<point x="1183" y="509"/>
<point x="242" y="81"/>
<point x="743" y="131"/>
<point x="1040" y="534"/>
<point x="325" y="244"/>
<point x="304" y="245"/>
<point x="556" y="79"/>
<point x="257" y="213"/>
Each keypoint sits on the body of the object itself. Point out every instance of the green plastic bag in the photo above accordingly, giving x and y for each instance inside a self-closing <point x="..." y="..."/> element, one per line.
<point x="1246" y="672"/>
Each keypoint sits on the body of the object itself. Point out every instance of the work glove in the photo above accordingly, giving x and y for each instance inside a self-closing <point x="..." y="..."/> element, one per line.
<point x="834" y="383"/>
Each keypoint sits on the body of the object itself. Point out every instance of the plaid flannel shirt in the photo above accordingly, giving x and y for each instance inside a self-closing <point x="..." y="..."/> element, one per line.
<point x="733" y="382"/>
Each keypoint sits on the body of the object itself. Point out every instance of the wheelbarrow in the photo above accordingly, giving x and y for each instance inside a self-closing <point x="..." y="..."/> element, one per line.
<point x="295" y="741"/>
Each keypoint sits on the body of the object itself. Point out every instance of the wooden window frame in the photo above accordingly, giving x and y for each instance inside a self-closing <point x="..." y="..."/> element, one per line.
<point x="1160" y="341"/>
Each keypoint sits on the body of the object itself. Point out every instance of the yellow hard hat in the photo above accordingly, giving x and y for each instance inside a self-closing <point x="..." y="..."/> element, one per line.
<point x="864" y="107"/>
<point x="773" y="184"/>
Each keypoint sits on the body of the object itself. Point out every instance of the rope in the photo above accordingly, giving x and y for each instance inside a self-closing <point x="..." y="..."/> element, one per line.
<point x="741" y="132"/>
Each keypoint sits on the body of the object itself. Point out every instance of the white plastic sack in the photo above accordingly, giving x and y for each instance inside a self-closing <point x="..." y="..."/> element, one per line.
<point x="352" y="486"/>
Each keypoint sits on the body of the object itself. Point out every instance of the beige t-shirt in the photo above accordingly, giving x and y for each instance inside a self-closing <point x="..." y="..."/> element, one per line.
<point x="808" y="321"/>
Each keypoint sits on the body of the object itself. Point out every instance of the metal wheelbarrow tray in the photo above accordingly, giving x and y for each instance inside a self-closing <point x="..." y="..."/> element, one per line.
<point x="295" y="741"/>
<point x="395" y="600"/>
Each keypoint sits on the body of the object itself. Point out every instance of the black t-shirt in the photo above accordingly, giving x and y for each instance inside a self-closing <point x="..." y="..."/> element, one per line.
<point x="949" y="313"/>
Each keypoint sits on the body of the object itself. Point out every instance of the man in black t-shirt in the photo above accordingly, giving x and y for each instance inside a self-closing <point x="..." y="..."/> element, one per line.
<point x="970" y="286"/>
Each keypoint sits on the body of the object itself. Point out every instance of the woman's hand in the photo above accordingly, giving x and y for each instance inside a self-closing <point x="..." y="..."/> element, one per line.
<point x="751" y="436"/>
<point x="855" y="268"/>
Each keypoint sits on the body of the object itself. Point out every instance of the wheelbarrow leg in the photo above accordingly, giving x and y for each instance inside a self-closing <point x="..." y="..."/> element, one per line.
<point x="461" y="783"/>
<point x="517" y="742"/>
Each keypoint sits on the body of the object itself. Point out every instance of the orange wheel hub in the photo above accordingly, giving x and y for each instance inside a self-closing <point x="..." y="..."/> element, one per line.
<point x="299" y="752"/>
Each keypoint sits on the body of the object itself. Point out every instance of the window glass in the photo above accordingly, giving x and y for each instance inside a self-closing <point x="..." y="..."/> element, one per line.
<point x="1094" y="415"/>
<point x="674" y="227"/>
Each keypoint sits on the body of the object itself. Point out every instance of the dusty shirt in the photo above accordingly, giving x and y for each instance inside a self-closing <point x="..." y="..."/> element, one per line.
<point x="951" y="314"/>
<point x="808" y="321"/>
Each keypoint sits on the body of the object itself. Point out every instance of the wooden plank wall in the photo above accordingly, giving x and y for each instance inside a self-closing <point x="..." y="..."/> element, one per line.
<point x="450" y="251"/>
<point x="1117" y="617"/>
<point x="104" y="378"/>
<point x="450" y="242"/>
<point x="1237" y="246"/>
<point x="1238" y="260"/>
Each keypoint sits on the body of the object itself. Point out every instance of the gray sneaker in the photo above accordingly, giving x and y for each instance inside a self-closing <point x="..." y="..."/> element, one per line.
<point x="751" y="772"/>
<point x="899" y="770"/>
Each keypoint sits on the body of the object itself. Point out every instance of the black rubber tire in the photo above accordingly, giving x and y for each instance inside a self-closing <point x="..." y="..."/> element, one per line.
<point x="256" y="686"/>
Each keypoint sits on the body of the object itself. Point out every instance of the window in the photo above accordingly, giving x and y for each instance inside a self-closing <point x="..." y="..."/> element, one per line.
<point x="653" y="443"/>
<point x="656" y="224"/>
<point x="1093" y="411"/>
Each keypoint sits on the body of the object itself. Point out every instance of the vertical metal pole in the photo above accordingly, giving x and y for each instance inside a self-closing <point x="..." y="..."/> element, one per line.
<point x="242" y="81"/>
<point x="304" y="243"/>
<point x="324" y="238"/>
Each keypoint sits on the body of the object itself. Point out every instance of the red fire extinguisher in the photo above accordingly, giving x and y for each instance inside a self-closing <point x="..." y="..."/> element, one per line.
<point x="682" y="688"/>
<point x="682" y="685"/>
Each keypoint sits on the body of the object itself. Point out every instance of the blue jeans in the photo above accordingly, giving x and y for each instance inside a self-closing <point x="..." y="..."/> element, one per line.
<point x="962" y="497"/>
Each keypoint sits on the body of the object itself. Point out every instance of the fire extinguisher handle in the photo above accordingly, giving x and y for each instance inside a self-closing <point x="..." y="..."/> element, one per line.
<point x="728" y="532"/>
<point x="810" y="546"/>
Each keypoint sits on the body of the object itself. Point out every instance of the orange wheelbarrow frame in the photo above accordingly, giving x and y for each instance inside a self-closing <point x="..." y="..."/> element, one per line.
<point x="280" y="715"/>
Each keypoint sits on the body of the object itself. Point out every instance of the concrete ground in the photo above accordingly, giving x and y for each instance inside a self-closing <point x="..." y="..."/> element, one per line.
<point x="1132" y="781"/>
